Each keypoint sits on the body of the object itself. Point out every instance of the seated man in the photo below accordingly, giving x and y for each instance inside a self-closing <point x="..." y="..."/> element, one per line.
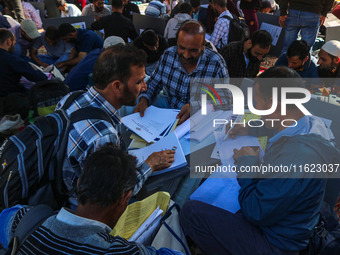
<point x="102" y="200"/>
<point x="118" y="77"/>
<point x="243" y="58"/>
<point x="156" y="8"/>
<point x="178" y="67"/>
<point x="97" y="9"/>
<point x="279" y="209"/>
<point x="25" y="35"/>
<point x="84" y="41"/>
<point x="185" y="13"/>
<point x="13" y="95"/>
<point x="116" y="24"/>
<point x="78" y="78"/>
<point x="68" y="10"/>
<point x="57" y="49"/>
<point x="299" y="58"/>
<point x="329" y="65"/>
<point x="154" y="46"/>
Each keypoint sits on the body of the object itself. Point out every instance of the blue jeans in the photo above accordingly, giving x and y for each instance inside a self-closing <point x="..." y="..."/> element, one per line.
<point x="307" y="23"/>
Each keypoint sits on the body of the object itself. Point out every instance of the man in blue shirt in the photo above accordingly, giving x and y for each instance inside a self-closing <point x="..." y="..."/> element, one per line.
<point x="84" y="41"/>
<point x="78" y="78"/>
<point x="279" y="208"/>
<point x="181" y="65"/>
<point x="57" y="49"/>
<point x="299" y="58"/>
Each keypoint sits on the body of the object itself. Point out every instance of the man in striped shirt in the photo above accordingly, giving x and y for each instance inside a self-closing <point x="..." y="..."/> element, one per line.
<point x="102" y="200"/>
<point x="156" y="8"/>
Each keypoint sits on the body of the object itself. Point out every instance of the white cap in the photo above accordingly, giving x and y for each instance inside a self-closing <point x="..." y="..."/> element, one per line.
<point x="112" y="40"/>
<point x="332" y="47"/>
<point x="28" y="26"/>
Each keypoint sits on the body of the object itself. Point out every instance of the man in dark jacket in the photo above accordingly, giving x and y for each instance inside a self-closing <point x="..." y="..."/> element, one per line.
<point x="13" y="97"/>
<point x="116" y="24"/>
<point x="243" y="58"/>
<point x="279" y="208"/>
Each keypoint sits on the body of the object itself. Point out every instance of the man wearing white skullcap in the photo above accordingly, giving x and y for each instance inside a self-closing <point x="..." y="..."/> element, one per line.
<point x="329" y="60"/>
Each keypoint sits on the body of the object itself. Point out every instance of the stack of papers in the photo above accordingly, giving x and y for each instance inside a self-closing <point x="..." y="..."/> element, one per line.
<point x="141" y="219"/>
<point x="156" y="123"/>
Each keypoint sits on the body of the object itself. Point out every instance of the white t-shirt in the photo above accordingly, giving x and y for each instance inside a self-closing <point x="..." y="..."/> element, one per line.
<point x="72" y="11"/>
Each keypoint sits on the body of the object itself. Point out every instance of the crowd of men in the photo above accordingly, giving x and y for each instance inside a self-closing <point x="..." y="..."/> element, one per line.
<point x="122" y="71"/>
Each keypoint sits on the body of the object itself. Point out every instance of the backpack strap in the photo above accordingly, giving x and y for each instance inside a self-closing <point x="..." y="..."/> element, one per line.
<point x="227" y="17"/>
<point x="31" y="221"/>
<point x="89" y="113"/>
<point x="167" y="215"/>
<point x="71" y="99"/>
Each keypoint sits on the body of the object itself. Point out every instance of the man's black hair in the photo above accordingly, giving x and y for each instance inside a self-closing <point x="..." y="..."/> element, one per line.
<point x="115" y="63"/>
<point x="298" y="48"/>
<point x="60" y="3"/>
<point x="261" y="38"/>
<point x="52" y="33"/>
<point x="185" y="8"/>
<point x="108" y="173"/>
<point x="279" y="77"/>
<point x="149" y="37"/>
<point x="195" y="3"/>
<point x="65" y="29"/>
<point x="5" y="34"/>
<point x="221" y="3"/>
<point x="117" y="4"/>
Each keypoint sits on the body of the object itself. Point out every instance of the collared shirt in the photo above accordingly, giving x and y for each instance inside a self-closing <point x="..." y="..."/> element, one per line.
<point x="171" y="75"/>
<point x="68" y="233"/>
<point x="31" y="13"/>
<point x="88" y="135"/>
<point x="233" y="56"/>
<point x="221" y="30"/>
<point x="90" y="10"/>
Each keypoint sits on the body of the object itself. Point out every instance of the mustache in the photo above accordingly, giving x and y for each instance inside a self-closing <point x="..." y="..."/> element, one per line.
<point x="190" y="60"/>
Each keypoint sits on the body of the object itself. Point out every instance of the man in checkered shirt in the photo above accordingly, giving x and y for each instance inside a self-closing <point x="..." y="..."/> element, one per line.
<point x="180" y="72"/>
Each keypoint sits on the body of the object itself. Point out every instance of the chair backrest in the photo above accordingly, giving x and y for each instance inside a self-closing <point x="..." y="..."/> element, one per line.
<point x="141" y="22"/>
<point x="72" y="20"/>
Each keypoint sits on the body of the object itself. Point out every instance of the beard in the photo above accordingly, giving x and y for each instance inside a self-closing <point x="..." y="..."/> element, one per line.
<point x="328" y="72"/>
<point x="252" y="58"/>
<point x="11" y="49"/>
<point x="129" y="98"/>
<point x="188" y="61"/>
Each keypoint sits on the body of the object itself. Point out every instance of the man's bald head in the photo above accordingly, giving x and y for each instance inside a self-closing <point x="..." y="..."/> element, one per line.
<point x="192" y="27"/>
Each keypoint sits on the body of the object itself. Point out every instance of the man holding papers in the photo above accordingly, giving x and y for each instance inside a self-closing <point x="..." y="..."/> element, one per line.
<point x="102" y="200"/>
<point x="177" y="69"/>
<point x="279" y="209"/>
<point x="118" y="76"/>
